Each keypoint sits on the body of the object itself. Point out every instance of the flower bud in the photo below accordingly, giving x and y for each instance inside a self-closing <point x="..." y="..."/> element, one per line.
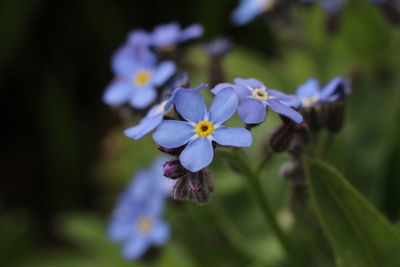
<point x="294" y="171"/>
<point x="281" y="138"/>
<point x="173" y="169"/>
<point x="334" y="116"/>
<point x="196" y="187"/>
<point x="172" y="151"/>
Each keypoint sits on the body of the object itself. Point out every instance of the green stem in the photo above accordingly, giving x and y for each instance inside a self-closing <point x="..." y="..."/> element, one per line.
<point x="264" y="161"/>
<point x="256" y="188"/>
<point x="230" y="230"/>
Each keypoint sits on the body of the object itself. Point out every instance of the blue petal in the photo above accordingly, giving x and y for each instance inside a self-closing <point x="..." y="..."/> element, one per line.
<point x="135" y="247"/>
<point x="128" y="59"/>
<point x="238" y="137"/>
<point x="197" y="155"/>
<point x="190" y="105"/>
<point x="285" y="110"/>
<point x="252" y="83"/>
<point x="241" y="91"/>
<point x="119" y="231"/>
<point x="191" y="32"/>
<point x="143" y="97"/>
<point x="166" y="34"/>
<point x="173" y="134"/>
<point x="160" y="233"/>
<point x="308" y="89"/>
<point x="331" y="88"/>
<point x="201" y="86"/>
<point x="252" y="111"/>
<point x="146" y="125"/>
<point x="246" y="12"/>
<point x="223" y="106"/>
<point x="280" y="95"/>
<point x="118" y="93"/>
<point x="164" y="72"/>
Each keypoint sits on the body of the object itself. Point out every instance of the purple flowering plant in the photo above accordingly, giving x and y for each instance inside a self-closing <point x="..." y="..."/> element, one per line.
<point x="161" y="96"/>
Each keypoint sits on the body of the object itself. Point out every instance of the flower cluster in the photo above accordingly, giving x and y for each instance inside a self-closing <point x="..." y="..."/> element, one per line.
<point x="140" y="72"/>
<point x="322" y="108"/>
<point x="137" y="220"/>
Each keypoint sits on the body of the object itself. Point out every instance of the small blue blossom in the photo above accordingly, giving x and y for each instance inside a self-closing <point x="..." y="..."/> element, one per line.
<point x="309" y="94"/>
<point x="153" y="117"/>
<point x="136" y="222"/>
<point x="136" y="79"/>
<point x="255" y="98"/>
<point x="170" y="34"/>
<point x="249" y="10"/>
<point x="201" y="128"/>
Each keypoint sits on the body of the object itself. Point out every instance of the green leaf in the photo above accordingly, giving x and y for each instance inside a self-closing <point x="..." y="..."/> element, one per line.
<point x="359" y="234"/>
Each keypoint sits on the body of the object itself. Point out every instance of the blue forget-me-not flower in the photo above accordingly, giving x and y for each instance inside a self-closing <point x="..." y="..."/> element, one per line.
<point x="136" y="222"/>
<point x="137" y="75"/>
<point x="170" y="34"/>
<point x="309" y="94"/>
<point x="201" y="128"/>
<point x="249" y="10"/>
<point x="256" y="97"/>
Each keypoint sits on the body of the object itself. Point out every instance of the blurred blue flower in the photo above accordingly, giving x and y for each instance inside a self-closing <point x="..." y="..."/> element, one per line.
<point x="136" y="222"/>
<point x="249" y="10"/>
<point x="170" y="34"/>
<point x="309" y="94"/>
<point x="137" y="73"/>
<point x="201" y="128"/>
<point x="255" y="98"/>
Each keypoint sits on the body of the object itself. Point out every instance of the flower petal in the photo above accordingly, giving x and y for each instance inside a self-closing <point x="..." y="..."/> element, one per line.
<point x="164" y="71"/>
<point x="117" y="93"/>
<point x="146" y="125"/>
<point x="253" y="83"/>
<point x="160" y="233"/>
<point x="252" y="111"/>
<point x="197" y="155"/>
<point x="223" y="106"/>
<point x="285" y="110"/>
<point x="280" y="95"/>
<point x="143" y="97"/>
<point x="241" y="91"/>
<point x="191" y="32"/>
<point x="135" y="247"/>
<point x="331" y="87"/>
<point x="171" y="133"/>
<point x="308" y="89"/>
<point x="190" y="105"/>
<point x="228" y="136"/>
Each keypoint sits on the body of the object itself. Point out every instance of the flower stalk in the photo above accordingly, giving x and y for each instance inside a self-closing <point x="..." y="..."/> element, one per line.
<point x="255" y="186"/>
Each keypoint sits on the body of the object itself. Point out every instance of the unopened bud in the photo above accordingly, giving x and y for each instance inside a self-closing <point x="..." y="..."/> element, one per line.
<point x="173" y="169"/>
<point x="334" y="116"/>
<point x="281" y="138"/>
<point x="293" y="171"/>
<point x="196" y="187"/>
<point x="172" y="151"/>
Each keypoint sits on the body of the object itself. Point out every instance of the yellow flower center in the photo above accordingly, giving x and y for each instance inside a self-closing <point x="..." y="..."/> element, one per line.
<point x="144" y="224"/>
<point x="309" y="101"/>
<point x="260" y="94"/>
<point x="141" y="78"/>
<point x="204" y="128"/>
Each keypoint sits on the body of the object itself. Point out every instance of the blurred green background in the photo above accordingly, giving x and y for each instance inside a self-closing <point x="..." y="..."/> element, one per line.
<point x="64" y="158"/>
